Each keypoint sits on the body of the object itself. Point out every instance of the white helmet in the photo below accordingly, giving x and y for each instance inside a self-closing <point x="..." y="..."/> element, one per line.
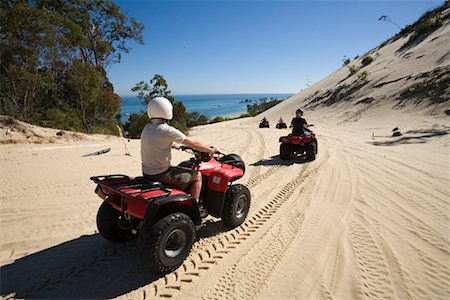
<point x="160" y="108"/>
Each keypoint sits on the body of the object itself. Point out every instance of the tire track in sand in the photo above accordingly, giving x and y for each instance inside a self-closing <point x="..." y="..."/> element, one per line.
<point x="370" y="260"/>
<point x="245" y="278"/>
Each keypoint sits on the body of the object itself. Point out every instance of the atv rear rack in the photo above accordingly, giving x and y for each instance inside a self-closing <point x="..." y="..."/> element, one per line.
<point x="119" y="182"/>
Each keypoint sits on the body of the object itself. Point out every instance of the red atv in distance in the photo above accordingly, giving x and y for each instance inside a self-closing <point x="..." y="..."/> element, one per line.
<point x="281" y="124"/>
<point x="298" y="145"/>
<point x="264" y="123"/>
<point x="164" y="218"/>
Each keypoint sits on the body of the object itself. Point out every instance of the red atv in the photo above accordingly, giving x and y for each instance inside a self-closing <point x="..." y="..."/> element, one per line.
<point x="164" y="218"/>
<point x="298" y="145"/>
<point x="281" y="125"/>
<point x="264" y="123"/>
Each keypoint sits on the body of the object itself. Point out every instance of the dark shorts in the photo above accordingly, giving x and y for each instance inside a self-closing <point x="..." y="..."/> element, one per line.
<point x="175" y="176"/>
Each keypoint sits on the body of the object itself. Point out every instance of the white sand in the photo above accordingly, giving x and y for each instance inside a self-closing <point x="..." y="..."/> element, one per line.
<point x="369" y="218"/>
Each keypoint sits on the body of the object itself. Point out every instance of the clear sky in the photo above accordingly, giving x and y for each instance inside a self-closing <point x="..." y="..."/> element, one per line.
<point x="214" y="47"/>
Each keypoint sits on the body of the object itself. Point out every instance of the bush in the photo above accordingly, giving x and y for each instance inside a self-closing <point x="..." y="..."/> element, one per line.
<point x="135" y="124"/>
<point x="367" y="60"/>
<point x="63" y="118"/>
<point x="428" y="26"/>
<point x="352" y="70"/>
<point x="217" y="119"/>
<point x="363" y="75"/>
<point x="263" y="105"/>
<point x="345" y="61"/>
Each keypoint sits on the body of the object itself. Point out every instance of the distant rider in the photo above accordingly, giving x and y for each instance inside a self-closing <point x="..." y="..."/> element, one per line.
<point x="299" y="125"/>
<point x="157" y="139"/>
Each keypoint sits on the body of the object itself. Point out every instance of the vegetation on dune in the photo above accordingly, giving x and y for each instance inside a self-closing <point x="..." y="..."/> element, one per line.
<point x="419" y="30"/>
<point x="263" y="105"/>
<point x="53" y="59"/>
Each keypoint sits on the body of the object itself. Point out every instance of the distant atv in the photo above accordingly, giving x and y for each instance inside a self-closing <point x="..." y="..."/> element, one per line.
<point x="264" y="123"/>
<point x="298" y="145"/>
<point x="164" y="218"/>
<point x="281" y="125"/>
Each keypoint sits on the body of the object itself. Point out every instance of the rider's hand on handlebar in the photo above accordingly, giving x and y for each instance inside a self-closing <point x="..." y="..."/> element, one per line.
<point x="176" y="146"/>
<point x="212" y="150"/>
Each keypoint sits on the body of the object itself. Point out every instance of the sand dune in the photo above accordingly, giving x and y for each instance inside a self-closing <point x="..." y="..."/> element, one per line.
<point x="369" y="218"/>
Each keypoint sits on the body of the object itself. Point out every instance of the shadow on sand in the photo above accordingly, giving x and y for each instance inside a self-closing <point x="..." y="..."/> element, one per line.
<point x="86" y="267"/>
<point x="277" y="161"/>
<point x="413" y="137"/>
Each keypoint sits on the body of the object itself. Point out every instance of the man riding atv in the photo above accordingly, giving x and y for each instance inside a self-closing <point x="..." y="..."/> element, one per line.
<point x="281" y="124"/>
<point x="299" y="125"/>
<point x="264" y="123"/>
<point x="157" y="139"/>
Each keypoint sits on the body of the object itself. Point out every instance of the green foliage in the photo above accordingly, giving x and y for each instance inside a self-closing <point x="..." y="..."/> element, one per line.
<point x="83" y="87"/>
<point x="263" y="105"/>
<point x="345" y="61"/>
<point x="157" y="87"/>
<point x="217" y="119"/>
<point x="63" y="118"/>
<point x="244" y="116"/>
<point x="135" y="125"/>
<point x="179" y="117"/>
<point x="428" y="25"/>
<point x="195" y="119"/>
<point x="53" y="58"/>
<point x="363" y="75"/>
<point x="367" y="60"/>
<point x="352" y="70"/>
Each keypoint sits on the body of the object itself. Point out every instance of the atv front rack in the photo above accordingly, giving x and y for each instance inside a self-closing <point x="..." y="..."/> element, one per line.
<point x="135" y="187"/>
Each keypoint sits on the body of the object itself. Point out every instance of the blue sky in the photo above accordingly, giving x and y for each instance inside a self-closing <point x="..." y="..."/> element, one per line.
<point x="215" y="47"/>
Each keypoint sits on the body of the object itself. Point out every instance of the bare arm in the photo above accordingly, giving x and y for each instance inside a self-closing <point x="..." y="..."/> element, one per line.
<point x="198" y="146"/>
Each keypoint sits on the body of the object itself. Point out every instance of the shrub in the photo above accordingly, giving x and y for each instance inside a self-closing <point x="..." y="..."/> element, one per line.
<point x="352" y="70"/>
<point x="135" y="124"/>
<point x="217" y="119"/>
<point x="429" y="25"/>
<point x="345" y="61"/>
<point x="363" y="75"/>
<point x="367" y="60"/>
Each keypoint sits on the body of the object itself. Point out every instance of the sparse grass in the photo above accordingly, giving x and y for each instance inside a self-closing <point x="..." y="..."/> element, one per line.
<point x="429" y="25"/>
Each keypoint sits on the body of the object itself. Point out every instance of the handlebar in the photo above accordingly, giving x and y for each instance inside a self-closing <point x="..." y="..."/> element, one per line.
<point x="199" y="154"/>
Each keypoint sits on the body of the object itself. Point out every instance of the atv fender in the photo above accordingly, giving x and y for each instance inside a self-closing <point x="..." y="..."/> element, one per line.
<point x="163" y="207"/>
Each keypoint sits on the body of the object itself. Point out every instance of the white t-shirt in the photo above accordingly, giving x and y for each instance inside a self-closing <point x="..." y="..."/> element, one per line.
<point x="156" y="144"/>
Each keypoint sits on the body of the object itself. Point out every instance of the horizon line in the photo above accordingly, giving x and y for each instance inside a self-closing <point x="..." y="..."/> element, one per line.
<point x="189" y="94"/>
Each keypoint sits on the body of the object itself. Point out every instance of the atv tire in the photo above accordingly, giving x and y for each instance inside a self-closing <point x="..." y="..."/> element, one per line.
<point x="108" y="224"/>
<point x="285" y="151"/>
<point x="237" y="205"/>
<point x="165" y="245"/>
<point x="311" y="151"/>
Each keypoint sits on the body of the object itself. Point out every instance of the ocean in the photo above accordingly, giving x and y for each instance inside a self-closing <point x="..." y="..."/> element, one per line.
<point x="224" y="105"/>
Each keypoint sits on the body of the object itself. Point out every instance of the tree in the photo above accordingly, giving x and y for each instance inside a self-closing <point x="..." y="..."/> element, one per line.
<point x="387" y="19"/>
<point x="43" y="43"/>
<point x="106" y="32"/>
<point x="84" y="86"/>
<point x="157" y="87"/>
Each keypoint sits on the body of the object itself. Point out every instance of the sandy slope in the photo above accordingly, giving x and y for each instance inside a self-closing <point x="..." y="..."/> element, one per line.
<point x="369" y="218"/>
